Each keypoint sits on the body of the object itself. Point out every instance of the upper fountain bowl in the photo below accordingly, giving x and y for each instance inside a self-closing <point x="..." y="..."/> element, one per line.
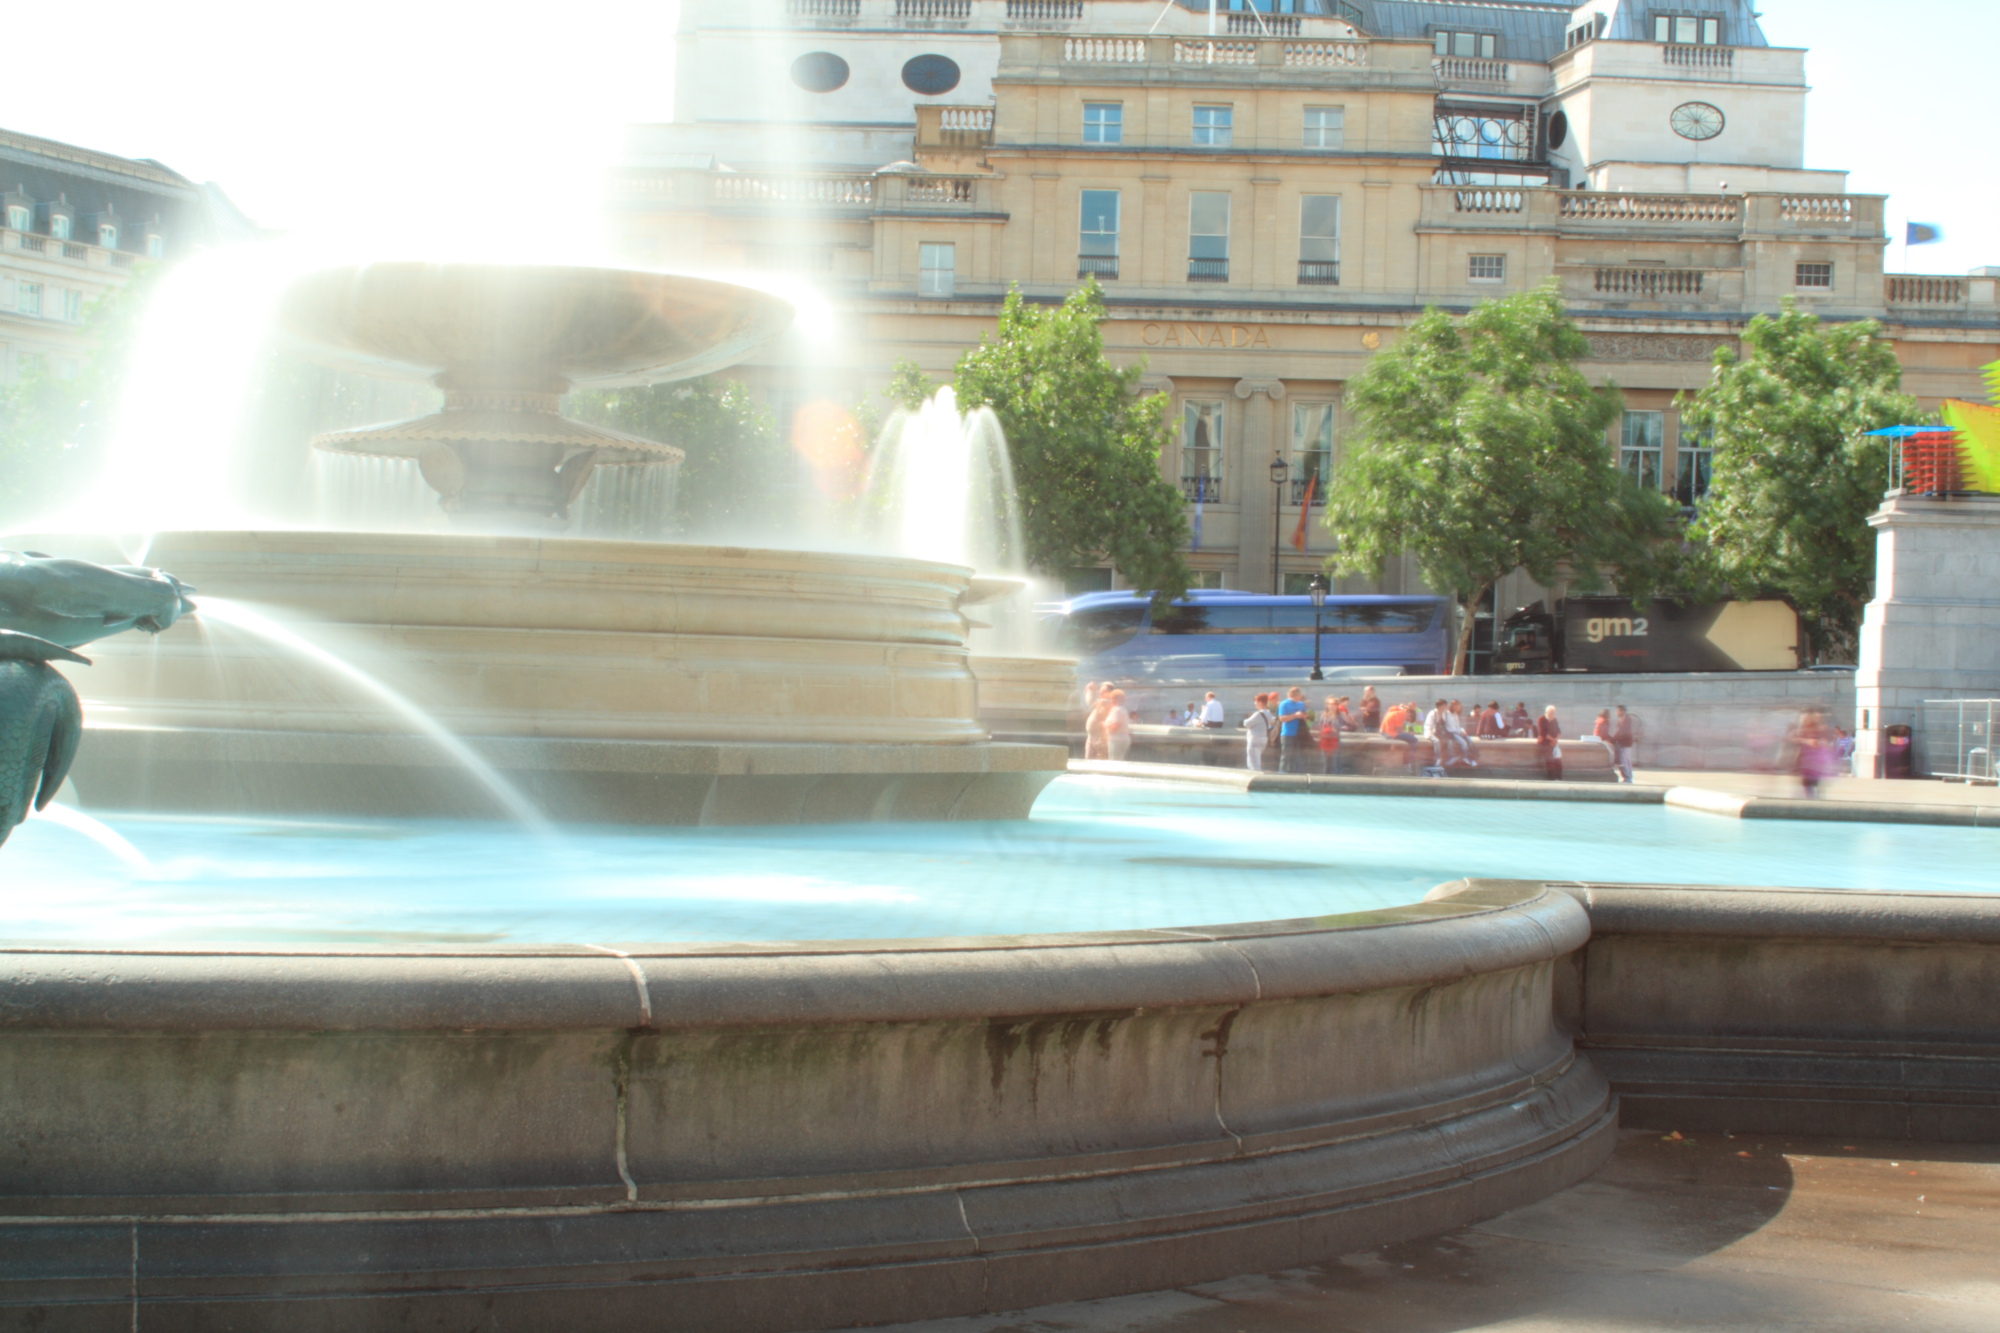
<point x="527" y="327"/>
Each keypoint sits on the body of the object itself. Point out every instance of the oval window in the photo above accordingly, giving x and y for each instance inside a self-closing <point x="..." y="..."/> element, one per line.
<point x="933" y="76"/>
<point x="1558" y="129"/>
<point x="819" y="71"/>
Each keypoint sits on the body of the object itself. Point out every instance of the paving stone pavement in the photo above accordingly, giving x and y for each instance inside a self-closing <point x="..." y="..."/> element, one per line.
<point x="1726" y="1235"/>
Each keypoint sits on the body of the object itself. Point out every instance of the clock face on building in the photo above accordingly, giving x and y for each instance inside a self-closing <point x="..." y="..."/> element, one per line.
<point x="1696" y="120"/>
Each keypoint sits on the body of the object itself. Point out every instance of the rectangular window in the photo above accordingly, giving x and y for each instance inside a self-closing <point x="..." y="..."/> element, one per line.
<point x="1819" y="276"/>
<point x="935" y="269"/>
<point x="1686" y="30"/>
<point x="1319" y="240"/>
<point x="1711" y="32"/>
<point x="59" y="226"/>
<point x="72" y="304"/>
<point x="1208" y="236"/>
<point x="1213" y="126"/>
<point x="1693" y="462"/>
<point x="1312" y="450"/>
<point x="1644" y="445"/>
<point x="1097" y="238"/>
<point x="1104" y="122"/>
<point x="156" y="247"/>
<point x="1663" y="28"/>
<point x="1480" y="45"/>
<point x="19" y="218"/>
<point x="28" y="297"/>
<point x="1326" y="126"/>
<point x="1205" y="578"/>
<point x="1488" y="268"/>
<point x="1201" y="450"/>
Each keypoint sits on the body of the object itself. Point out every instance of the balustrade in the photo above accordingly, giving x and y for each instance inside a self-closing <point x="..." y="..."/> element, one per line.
<point x="1816" y="208"/>
<point x="1104" y="50"/>
<point x="1607" y="206"/>
<point x="1215" y="53"/>
<point x="1465" y="69"/>
<point x="934" y="11"/>
<point x="1034" y="13"/>
<point x="823" y="11"/>
<point x="1263" y="25"/>
<point x="1924" y="289"/>
<point x="1489" y="201"/>
<point x="942" y="190"/>
<point x="1326" y="55"/>
<point x="966" y="119"/>
<point x="1649" y="282"/>
<point x="850" y="190"/>
<point x="1699" y="57"/>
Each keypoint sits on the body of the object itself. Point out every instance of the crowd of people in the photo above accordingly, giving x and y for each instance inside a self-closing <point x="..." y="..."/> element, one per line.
<point x="1284" y="733"/>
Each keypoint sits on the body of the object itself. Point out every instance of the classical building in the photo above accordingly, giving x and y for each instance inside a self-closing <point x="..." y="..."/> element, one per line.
<point x="1270" y="194"/>
<point x="73" y="224"/>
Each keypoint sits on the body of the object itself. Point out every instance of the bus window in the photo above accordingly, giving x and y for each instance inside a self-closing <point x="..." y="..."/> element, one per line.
<point x="1099" y="629"/>
<point x="1380" y="618"/>
<point x="1212" y="619"/>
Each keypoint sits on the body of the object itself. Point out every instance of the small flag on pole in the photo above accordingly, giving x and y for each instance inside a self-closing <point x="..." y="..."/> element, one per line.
<point x="1305" y="512"/>
<point x="1201" y="489"/>
<point x="1922" y="233"/>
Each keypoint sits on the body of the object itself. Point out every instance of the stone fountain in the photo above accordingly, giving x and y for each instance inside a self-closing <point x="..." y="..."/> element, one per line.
<point x="625" y="681"/>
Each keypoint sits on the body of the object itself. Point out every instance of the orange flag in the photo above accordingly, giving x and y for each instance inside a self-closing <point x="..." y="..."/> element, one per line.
<point x="1305" y="513"/>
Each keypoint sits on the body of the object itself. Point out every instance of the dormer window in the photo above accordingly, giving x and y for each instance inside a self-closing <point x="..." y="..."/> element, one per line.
<point x="59" y="226"/>
<point x="1687" y="29"/>
<point x="1476" y="45"/>
<point x="107" y="235"/>
<point x="19" y="218"/>
<point x="156" y="246"/>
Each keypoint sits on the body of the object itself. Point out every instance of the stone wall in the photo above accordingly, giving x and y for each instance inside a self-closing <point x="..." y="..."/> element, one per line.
<point x="1704" y="720"/>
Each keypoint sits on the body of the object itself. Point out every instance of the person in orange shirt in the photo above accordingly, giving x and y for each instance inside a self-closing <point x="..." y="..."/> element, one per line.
<point x="1396" y="727"/>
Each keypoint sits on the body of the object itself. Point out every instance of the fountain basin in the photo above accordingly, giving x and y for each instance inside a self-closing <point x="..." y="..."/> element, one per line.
<point x="776" y="1136"/>
<point x="622" y="680"/>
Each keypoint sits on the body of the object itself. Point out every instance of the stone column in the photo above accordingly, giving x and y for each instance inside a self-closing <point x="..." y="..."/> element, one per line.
<point x="1259" y="438"/>
<point x="1933" y="629"/>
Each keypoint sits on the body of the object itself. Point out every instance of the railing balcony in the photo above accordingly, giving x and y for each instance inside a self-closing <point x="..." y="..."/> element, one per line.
<point x="1263" y="25"/>
<point x="1699" y="59"/>
<point x="1670" y="283"/>
<point x="824" y="13"/>
<point x="1202" y="490"/>
<point x="1616" y="206"/>
<point x="1319" y="273"/>
<point x="1299" y="485"/>
<point x="928" y="12"/>
<point x="32" y="244"/>
<point x="1466" y="69"/>
<point x="756" y="187"/>
<point x="1921" y="289"/>
<point x="1208" y="270"/>
<point x="954" y="127"/>
<point x="71" y="250"/>
<point x="1273" y="52"/>
<point x="1043" y="13"/>
<point x="1102" y="267"/>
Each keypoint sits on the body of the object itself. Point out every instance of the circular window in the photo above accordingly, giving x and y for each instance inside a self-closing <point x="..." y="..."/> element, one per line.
<point x="1696" y="120"/>
<point x="1558" y="129"/>
<point x="933" y="76"/>
<point x="819" y="71"/>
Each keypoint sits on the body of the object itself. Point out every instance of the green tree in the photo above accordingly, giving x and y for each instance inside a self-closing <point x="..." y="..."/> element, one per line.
<point x="1795" y="475"/>
<point x="1482" y="450"/>
<point x="735" y="453"/>
<point x="1085" y="446"/>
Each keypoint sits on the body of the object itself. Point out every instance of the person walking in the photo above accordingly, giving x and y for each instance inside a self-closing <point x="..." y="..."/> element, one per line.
<point x="1624" y="740"/>
<point x="1257" y="731"/>
<point x="1095" y="744"/>
<point x="1117" y="728"/>
<point x="1293" y="735"/>
<point x="1548" y="740"/>
<point x="1815" y="750"/>
<point x="1329" y="736"/>
<point x="1211" y="711"/>
<point x="1600" y="731"/>
<point x="1371" y="709"/>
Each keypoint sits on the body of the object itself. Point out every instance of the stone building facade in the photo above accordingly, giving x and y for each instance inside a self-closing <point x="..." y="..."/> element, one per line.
<point x="74" y="223"/>
<point x="1268" y="195"/>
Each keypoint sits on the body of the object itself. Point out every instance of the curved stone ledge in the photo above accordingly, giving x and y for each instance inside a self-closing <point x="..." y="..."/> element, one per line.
<point x="774" y="1137"/>
<point x="1786" y="1010"/>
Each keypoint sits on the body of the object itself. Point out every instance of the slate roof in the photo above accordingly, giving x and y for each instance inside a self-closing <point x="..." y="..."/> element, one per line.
<point x="1527" y="30"/>
<point x="134" y="189"/>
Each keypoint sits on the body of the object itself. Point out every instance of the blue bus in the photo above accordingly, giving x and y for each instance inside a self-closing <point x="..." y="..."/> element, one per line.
<point x="1219" y="634"/>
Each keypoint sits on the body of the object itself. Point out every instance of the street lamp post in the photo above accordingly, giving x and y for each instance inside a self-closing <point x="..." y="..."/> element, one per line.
<point x="1318" y="589"/>
<point x="1280" y="470"/>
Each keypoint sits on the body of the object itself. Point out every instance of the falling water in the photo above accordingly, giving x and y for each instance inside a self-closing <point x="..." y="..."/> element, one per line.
<point x="945" y="486"/>
<point x="69" y="817"/>
<point x="222" y="611"/>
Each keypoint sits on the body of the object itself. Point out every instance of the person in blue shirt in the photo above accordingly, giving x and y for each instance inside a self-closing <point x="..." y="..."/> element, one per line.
<point x="1293" y="736"/>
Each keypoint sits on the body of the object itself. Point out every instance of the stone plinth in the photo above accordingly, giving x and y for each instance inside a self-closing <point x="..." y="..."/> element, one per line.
<point x="1933" y="629"/>
<point x="1025" y="695"/>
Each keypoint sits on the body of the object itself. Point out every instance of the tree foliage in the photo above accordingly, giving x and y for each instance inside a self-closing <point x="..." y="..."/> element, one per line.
<point x="735" y="453"/>
<point x="1482" y="450"/>
<point x="1795" y="476"/>
<point x="1086" y="448"/>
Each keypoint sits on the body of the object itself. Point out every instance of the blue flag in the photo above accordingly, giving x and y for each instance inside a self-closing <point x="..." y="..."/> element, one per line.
<point x="1922" y="233"/>
<point x="1199" y="493"/>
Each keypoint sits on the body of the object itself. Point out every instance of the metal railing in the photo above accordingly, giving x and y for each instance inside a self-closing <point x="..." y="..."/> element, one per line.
<point x="1319" y="273"/>
<point x="1202" y="490"/>
<point x="1299" y="492"/>
<point x="1208" y="270"/>
<point x="1959" y="739"/>
<point x="1097" y="266"/>
<point x="1649" y="281"/>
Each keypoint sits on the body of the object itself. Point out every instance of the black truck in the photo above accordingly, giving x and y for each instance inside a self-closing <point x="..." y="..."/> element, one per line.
<point x="1611" y="634"/>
